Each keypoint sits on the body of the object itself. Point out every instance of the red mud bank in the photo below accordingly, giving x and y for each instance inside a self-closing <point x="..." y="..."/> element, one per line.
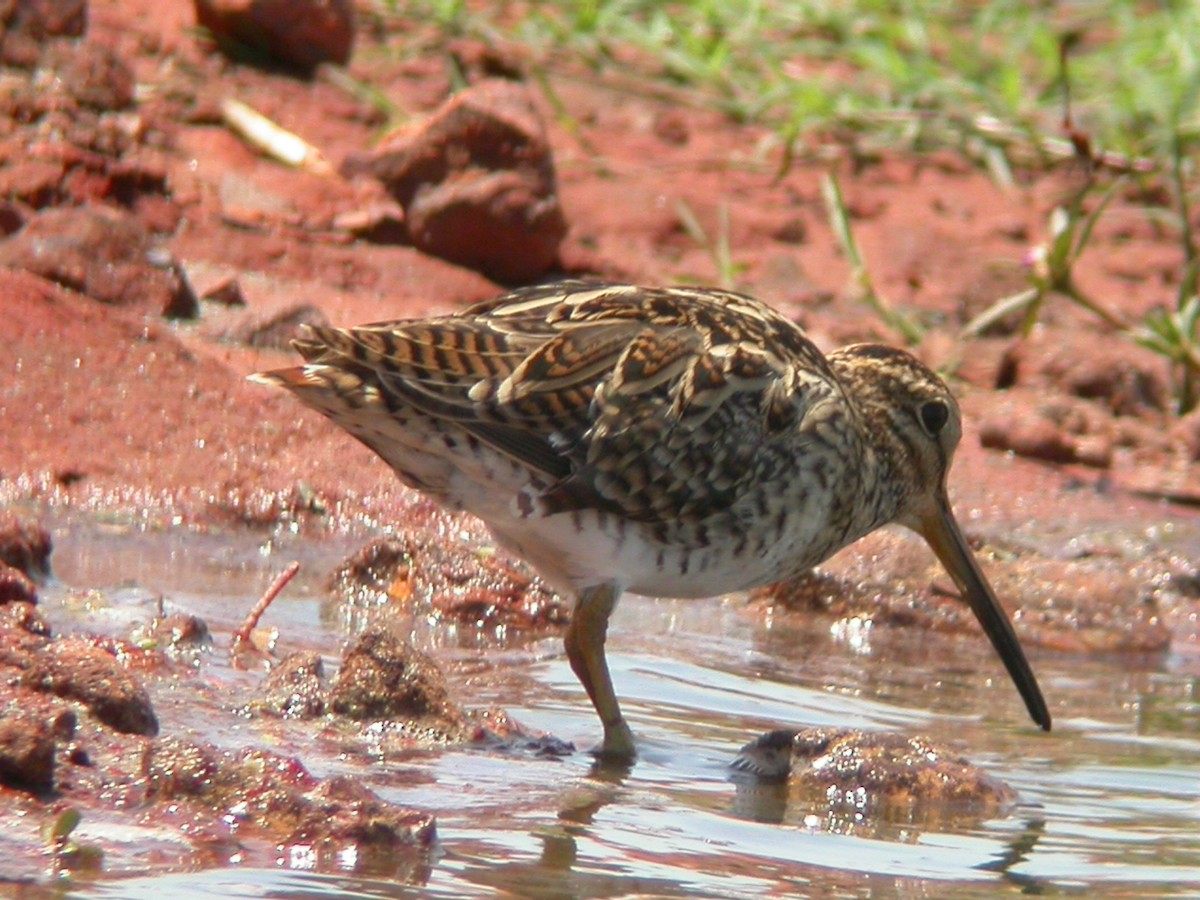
<point x="150" y="259"/>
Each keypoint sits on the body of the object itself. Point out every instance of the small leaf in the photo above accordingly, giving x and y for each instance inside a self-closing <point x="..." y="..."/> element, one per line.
<point x="60" y="829"/>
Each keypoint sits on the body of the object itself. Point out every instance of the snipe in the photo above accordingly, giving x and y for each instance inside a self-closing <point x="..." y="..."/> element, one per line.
<point x="675" y="442"/>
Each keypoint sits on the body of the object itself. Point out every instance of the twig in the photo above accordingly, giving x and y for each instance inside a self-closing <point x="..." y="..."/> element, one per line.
<point x="272" y="139"/>
<point x="242" y="635"/>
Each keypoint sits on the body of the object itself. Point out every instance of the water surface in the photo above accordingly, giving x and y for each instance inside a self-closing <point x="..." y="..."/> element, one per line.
<point x="1110" y="801"/>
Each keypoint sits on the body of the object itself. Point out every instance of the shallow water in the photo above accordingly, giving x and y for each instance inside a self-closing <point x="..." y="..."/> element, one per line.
<point x="1110" y="801"/>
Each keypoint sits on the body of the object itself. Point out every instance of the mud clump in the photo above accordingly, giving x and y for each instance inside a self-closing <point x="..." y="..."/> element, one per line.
<point x="847" y="776"/>
<point x="28" y="742"/>
<point x="294" y="688"/>
<point x="298" y="33"/>
<point x="76" y="669"/>
<point x="476" y="181"/>
<point x="277" y="794"/>
<point x="457" y="582"/>
<point x="103" y="253"/>
<point x="383" y="677"/>
<point x="24" y="545"/>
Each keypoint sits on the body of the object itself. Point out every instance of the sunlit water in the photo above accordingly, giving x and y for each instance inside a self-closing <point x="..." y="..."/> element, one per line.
<point x="1110" y="801"/>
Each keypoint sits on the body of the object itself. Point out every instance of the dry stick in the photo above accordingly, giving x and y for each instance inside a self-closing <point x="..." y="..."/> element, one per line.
<point x="242" y="635"/>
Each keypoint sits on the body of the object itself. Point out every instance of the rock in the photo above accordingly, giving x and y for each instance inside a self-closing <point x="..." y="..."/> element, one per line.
<point x="24" y="545"/>
<point x="476" y="181"/>
<point x="76" y="669"/>
<point x="384" y="678"/>
<point x="295" y="688"/>
<point x="226" y="291"/>
<point x="299" y="33"/>
<point x="23" y="615"/>
<point x="450" y="579"/>
<point x="279" y="796"/>
<point x="27" y="745"/>
<point x="94" y="75"/>
<point x="104" y="253"/>
<point x="856" y="776"/>
<point x="1061" y="431"/>
<point x="15" y="586"/>
<point x="26" y="24"/>
<point x="1126" y="379"/>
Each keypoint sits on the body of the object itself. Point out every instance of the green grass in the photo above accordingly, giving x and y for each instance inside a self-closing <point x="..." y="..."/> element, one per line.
<point x="986" y="78"/>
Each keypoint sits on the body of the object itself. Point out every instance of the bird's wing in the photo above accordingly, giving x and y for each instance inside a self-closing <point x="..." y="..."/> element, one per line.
<point x="655" y="404"/>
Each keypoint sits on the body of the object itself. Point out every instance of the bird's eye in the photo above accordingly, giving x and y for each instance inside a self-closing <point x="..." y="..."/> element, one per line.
<point x="934" y="416"/>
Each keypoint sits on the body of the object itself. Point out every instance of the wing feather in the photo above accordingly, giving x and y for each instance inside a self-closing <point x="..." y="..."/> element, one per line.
<point x="657" y="404"/>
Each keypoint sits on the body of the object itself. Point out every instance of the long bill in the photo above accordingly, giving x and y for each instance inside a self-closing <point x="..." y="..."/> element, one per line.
<point x="941" y="531"/>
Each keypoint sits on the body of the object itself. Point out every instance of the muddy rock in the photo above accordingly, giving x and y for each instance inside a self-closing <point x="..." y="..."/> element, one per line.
<point x="1125" y="379"/>
<point x="383" y="677"/>
<point x="23" y="616"/>
<point x="1088" y="605"/>
<point x="104" y="253"/>
<point x="1091" y="604"/>
<point x="1064" y="430"/>
<point x="26" y="24"/>
<point x="451" y="579"/>
<point x="853" y="775"/>
<point x="89" y="172"/>
<point x="298" y="33"/>
<point x="28" y="744"/>
<point x="277" y="795"/>
<point x="93" y="75"/>
<point x="377" y="223"/>
<point x="476" y="180"/>
<point x="225" y="290"/>
<point x="16" y="586"/>
<point x="24" y="544"/>
<point x="76" y="669"/>
<point x="174" y="633"/>
<point x="345" y="811"/>
<point x="295" y="688"/>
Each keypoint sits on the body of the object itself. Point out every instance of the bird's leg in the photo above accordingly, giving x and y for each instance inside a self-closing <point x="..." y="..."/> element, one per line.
<point x="585" y="650"/>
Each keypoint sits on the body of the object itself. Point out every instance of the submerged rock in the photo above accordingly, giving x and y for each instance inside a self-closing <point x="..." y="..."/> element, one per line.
<point x="383" y="677"/>
<point x="846" y="776"/>
<point x="295" y="687"/>
<point x="454" y="580"/>
<point x="277" y="795"/>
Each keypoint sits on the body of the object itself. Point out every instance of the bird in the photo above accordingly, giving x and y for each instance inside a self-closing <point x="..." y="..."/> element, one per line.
<point x="679" y="442"/>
